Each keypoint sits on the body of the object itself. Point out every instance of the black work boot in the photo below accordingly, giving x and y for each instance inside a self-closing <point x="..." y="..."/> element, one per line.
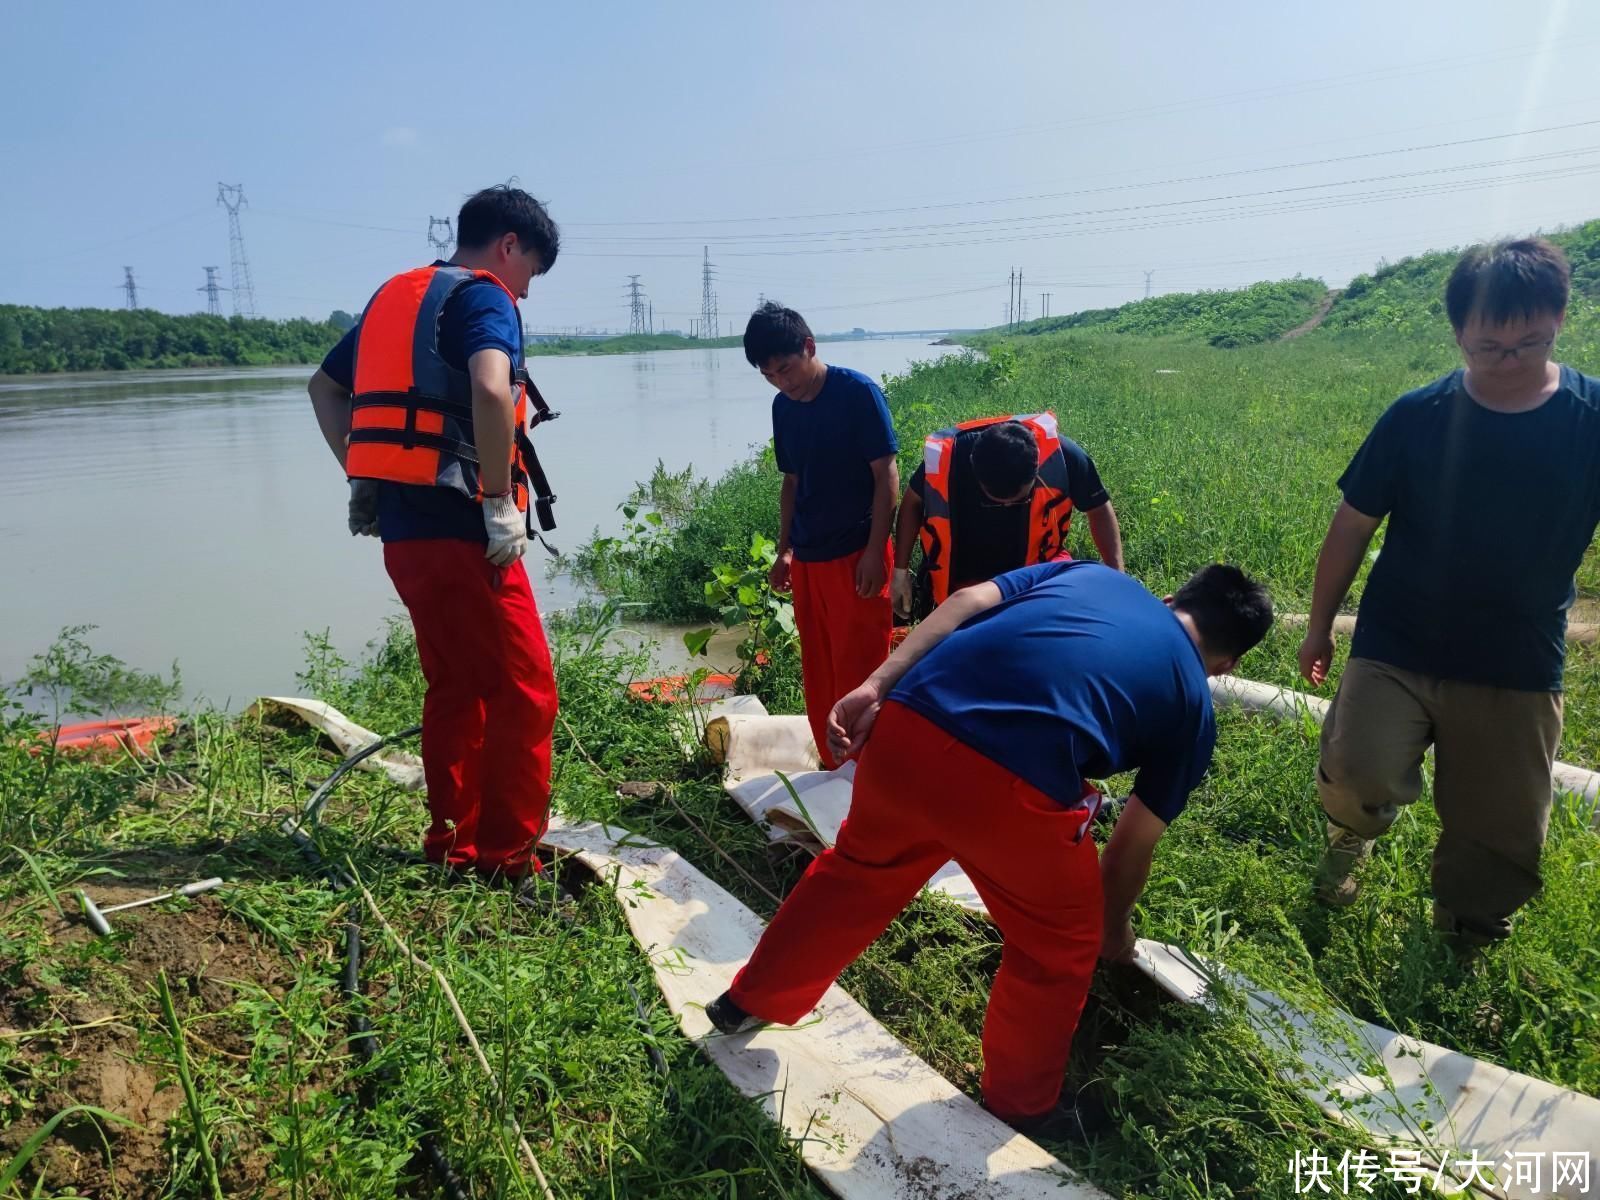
<point x="1077" y="1117"/>
<point x="729" y="1018"/>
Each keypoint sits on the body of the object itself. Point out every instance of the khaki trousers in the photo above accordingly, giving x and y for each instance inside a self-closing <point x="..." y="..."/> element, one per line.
<point x="1493" y="752"/>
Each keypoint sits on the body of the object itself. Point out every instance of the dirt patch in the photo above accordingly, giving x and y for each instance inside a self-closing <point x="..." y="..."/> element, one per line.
<point x="1316" y="318"/>
<point x="86" y="1030"/>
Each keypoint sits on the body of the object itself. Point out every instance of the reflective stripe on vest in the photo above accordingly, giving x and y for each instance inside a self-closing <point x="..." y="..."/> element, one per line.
<point x="1049" y="510"/>
<point x="411" y="414"/>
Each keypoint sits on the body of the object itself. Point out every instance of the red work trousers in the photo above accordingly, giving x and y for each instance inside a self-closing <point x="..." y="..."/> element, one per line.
<point x="922" y="798"/>
<point x="490" y="704"/>
<point x="843" y="637"/>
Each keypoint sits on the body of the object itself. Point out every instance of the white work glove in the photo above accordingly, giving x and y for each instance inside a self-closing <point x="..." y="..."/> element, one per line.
<point x="901" y="593"/>
<point x="508" y="530"/>
<point x="363" y="511"/>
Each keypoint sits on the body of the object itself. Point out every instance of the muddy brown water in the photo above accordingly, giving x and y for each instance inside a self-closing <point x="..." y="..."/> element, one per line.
<point x="196" y="515"/>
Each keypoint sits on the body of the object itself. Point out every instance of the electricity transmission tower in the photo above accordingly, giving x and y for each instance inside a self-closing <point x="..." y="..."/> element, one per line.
<point x="244" y="292"/>
<point x="636" y="317"/>
<point x="441" y="243"/>
<point x="211" y="288"/>
<point x="708" y="298"/>
<point x="130" y="287"/>
<point x="1148" y="275"/>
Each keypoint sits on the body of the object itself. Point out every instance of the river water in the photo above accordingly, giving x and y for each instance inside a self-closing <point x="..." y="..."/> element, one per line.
<point x="197" y="515"/>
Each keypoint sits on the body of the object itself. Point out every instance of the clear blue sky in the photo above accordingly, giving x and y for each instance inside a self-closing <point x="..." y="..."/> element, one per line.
<point x="872" y="164"/>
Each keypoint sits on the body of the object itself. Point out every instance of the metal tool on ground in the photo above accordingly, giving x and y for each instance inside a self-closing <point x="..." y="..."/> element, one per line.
<point x="96" y="916"/>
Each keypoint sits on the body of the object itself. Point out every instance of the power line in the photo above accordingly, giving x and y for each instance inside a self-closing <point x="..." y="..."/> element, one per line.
<point x="129" y="287"/>
<point x="1107" y="220"/>
<point x="244" y="292"/>
<point x="807" y="237"/>
<point x="1089" y="191"/>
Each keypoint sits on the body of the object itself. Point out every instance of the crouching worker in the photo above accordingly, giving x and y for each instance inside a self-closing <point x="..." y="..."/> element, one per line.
<point x="974" y="740"/>
<point x="990" y="496"/>
<point x="424" y="405"/>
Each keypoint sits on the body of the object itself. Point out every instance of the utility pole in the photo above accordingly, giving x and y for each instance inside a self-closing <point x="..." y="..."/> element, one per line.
<point x="130" y="287"/>
<point x="440" y="243"/>
<point x="652" y="319"/>
<point x="1021" y="304"/>
<point x="211" y="288"/>
<point x="708" y="298"/>
<point x="1011" y="299"/>
<point x="1148" y="275"/>
<point x="244" y="292"/>
<point x="1044" y="305"/>
<point x="635" y="306"/>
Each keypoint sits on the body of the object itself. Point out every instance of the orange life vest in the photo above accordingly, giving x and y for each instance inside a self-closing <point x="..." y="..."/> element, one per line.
<point x="1050" y="508"/>
<point x="411" y="414"/>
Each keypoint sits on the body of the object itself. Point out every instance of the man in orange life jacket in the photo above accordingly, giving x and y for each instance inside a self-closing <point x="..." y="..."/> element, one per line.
<point x="990" y="496"/>
<point x="424" y="405"/>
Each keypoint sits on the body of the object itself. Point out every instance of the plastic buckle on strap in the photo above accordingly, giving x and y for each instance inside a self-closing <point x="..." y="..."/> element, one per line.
<point x="1090" y="809"/>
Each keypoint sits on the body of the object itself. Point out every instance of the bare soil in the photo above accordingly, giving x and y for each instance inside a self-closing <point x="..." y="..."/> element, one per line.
<point x="101" y="1046"/>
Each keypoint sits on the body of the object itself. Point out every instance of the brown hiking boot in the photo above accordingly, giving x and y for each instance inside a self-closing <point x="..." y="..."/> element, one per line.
<point x="1467" y="939"/>
<point x="1335" y="880"/>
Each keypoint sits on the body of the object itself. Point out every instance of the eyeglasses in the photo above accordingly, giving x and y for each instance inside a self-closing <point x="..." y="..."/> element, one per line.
<point x="987" y="501"/>
<point x="1496" y="354"/>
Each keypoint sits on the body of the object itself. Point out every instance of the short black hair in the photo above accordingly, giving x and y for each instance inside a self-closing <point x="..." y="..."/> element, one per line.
<point x="1231" y="611"/>
<point x="1525" y="278"/>
<point x="502" y="209"/>
<point x="773" y="331"/>
<point x="1005" y="458"/>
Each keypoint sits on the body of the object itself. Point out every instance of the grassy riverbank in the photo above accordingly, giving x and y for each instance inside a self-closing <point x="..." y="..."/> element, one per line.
<point x="1209" y="454"/>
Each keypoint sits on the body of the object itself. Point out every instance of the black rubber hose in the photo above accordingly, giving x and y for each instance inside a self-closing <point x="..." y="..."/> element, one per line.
<point x="362" y="1041"/>
<point x="312" y="812"/>
<point x="366" y="1048"/>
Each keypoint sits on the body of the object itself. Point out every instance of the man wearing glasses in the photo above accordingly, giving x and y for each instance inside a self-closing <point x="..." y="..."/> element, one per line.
<point x="990" y="496"/>
<point x="1460" y="639"/>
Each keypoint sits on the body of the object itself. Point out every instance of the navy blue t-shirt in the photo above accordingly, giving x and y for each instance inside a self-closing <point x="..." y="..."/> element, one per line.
<point x="1489" y="515"/>
<point x="479" y="316"/>
<point x="1079" y="672"/>
<point x="829" y="444"/>
<point x="993" y="538"/>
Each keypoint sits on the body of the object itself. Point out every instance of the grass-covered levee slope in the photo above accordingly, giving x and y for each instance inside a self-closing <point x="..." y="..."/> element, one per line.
<point x="1209" y="453"/>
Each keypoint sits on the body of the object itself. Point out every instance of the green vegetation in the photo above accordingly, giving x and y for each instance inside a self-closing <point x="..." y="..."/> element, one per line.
<point x="1209" y="453"/>
<point x="630" y="343"/>
<point x="1259" y="313"/>
<point x="100" y="339"/>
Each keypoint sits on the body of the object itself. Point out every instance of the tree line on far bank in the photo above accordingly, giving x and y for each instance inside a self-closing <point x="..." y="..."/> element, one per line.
<point x="43" y="340"/>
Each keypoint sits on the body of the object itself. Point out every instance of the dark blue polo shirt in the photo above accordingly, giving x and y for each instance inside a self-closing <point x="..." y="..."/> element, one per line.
<point x="829" y="445"/>
<point x="1079" y="672"/>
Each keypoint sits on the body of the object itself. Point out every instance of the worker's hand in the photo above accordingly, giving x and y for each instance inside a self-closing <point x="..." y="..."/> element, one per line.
<point x="1316" y="657"/>
<point x="778" y="577"/>
<point x="363" y="510"/>
<point x="507" y="528"/>
<point x="869" y="574"/>
<point x="851" y="721"/>
<point x="901" y="592"/>
<point x="1117" y="946"/>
